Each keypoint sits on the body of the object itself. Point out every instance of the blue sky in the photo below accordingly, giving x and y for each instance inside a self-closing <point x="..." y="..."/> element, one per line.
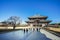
<point x="26" y="8"/>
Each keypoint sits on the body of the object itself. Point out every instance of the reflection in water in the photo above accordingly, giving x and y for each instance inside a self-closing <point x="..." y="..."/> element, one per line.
<point x="24" y="35"/>
<point x="25" y="30"/>
<point x="36" y="35"/>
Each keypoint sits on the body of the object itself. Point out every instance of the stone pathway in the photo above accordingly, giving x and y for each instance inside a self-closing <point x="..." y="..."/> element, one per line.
<point x="49" y="35"/>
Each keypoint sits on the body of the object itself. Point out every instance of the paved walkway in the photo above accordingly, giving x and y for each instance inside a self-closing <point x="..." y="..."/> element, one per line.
<point x="49" y="35"/>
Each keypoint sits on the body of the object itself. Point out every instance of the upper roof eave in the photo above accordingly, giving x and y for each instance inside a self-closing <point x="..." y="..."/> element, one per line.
<point x="37" y="16"/>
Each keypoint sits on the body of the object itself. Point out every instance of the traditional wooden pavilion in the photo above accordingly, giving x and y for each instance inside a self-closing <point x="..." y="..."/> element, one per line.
<point x="38" y="20"/>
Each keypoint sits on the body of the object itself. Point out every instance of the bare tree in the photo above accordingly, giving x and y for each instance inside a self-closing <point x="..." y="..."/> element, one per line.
<point x="14" y="20"/>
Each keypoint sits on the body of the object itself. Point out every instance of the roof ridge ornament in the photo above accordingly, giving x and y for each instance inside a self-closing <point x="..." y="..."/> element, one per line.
<point x="37" y="14"/>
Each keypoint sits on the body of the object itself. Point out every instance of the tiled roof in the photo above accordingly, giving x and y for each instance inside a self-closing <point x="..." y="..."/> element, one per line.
<point x="38" y="16"/>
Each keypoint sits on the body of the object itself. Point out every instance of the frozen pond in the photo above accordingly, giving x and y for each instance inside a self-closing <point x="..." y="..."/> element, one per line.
<point x="23" y="35"/>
